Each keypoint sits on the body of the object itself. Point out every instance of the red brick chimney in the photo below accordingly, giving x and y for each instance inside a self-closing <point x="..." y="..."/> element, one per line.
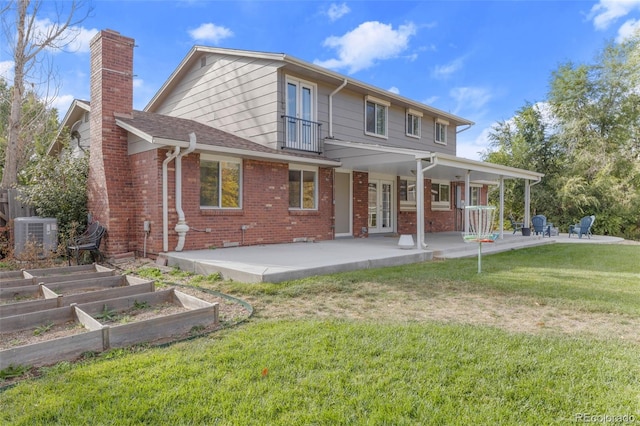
<point x="110" y="185"/>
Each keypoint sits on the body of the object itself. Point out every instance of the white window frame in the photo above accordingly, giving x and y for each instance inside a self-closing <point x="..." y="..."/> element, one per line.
<point x="223" y="159"/>
<point x="440" y="131"/>
<point x="441" y="205"/>
<point x="473" y="188"/>
<point x="300" y="85"/>
<point x="379" y="103"/>
<point x="417" y="115"/>
<point x="408" y="204"/>
<point x="305" y="168"/>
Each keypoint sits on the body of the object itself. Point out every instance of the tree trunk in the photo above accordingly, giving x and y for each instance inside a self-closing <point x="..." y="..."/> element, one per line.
<point x="10" y="171"/>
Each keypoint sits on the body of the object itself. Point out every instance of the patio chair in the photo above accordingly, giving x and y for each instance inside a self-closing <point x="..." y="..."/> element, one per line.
<point x="582" y="228"/>
<point x="540" y="225"/>
<point x="88" y="241"/>
<point x="517" y="226"/>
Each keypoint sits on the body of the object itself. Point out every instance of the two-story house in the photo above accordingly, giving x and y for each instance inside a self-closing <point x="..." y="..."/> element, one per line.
<point x="242" y="147"/>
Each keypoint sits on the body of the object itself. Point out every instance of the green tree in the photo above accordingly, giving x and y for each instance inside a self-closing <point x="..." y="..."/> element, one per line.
<point x="526" y="141"/>
<point x="598" y="111"/>
<point x="57" y="187"/>
<point x="588" y="147"/>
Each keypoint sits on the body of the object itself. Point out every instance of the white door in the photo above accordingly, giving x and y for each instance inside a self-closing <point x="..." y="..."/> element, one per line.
<point x="342" y="185"/>
<point x="300" y="113"/>
<point x="380" y="206"/>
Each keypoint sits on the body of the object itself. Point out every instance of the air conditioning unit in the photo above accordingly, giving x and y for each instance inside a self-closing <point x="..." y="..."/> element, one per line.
<point x="41" y="231"/>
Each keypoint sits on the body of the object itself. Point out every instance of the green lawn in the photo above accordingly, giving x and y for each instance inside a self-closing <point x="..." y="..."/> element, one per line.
<point x="375" y="371"/>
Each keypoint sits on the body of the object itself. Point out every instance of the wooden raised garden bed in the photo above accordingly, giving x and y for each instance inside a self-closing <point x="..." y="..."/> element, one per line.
<point x="64" y="293"/>
<point x="75" y="316"/>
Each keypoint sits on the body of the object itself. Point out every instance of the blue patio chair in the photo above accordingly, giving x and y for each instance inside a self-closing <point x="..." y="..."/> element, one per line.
<point x="540" y="225"/>
<point x="517" y="226"/>
<point x="582" y="228"/>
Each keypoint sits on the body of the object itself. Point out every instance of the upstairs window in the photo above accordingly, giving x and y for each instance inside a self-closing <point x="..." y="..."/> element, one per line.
<point x="303" y="194"/>
<point x="441" y="131"/>
<point x="375" y="116"/>
<point x="414" y="119"/>
<point x="220" y="183"/>
<point x="440" y="195"/>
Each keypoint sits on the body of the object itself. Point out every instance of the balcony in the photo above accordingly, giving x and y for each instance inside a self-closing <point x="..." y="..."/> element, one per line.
<point x="301" y="135"/>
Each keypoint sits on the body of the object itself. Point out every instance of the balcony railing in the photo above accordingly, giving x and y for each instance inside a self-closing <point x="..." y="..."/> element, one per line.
<point x="301" y="135"/>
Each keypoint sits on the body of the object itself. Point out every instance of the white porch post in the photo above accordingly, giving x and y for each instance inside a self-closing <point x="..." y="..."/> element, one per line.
<point x="502" y="207"/>
<point x="419" y="204"/>
<point x="467" y="199"/>
<point x="527" y="204"/>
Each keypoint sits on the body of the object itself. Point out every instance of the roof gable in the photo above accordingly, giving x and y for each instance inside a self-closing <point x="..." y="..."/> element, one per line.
<point x="295" y="64"/>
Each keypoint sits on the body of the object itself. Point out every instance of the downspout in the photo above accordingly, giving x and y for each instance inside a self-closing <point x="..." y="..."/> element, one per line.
<point x="339" y="88"/>
<point x="165" y="199"/>
<point x="420" y="199"/>
<point x="181" y="227"/>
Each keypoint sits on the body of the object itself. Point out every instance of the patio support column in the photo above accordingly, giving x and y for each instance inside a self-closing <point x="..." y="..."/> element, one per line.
<point x="467" y="199"/>
<point x="420" y="244"/>
<point x="527" y="204"/>
<point x="419" y="204"/>
<point x="502" y="207"/>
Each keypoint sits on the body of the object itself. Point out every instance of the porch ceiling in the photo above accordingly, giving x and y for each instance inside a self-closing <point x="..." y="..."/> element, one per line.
<point x="403" y="162"/>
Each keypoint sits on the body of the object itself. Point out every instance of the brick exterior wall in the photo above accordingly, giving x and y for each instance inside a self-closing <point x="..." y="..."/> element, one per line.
<point x="265" y="207"/>
<point x="435" y="220"/>
<point x="147" y="184"/>
<point x="109" y="184"/>
<point x="360" y="204"/>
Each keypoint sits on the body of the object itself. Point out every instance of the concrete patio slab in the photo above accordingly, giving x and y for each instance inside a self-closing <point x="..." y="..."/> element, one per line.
<point x="282" y="262"/>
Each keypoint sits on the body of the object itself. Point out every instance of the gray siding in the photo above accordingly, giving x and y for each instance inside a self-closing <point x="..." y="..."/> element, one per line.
<point x="246" y="96"/>
<point x="348" y="124"/>
<point x="237" y="95"/>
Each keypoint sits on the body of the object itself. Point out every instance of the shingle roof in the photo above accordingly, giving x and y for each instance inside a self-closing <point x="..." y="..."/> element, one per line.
<point x="178" y="129"/>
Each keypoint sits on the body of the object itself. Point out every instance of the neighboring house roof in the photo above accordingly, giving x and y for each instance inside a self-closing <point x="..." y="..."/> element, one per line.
<point x="74" y="114"/>
<point x="197" y="52"/>
<point x="166" y="131"/>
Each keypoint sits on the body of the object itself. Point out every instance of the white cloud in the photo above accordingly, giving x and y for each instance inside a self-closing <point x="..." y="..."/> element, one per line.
<point x="81" y="42"/>
<point x="394" y="89"/>
<point x="474" y="147"/>
<point x="628" y="30"/>
<point x="62" y="103"/>
<point x="444" y="71"/>
<point x="6" y="70"/>
<point x="211" y="33"/>
<point x="362" y="47"/>
<point x="337" y="11"/>
<point x="608" y="11"/>
<point x="431" y="100"/>
<point x="470" y="98"/>
<point x="74" y="39"/>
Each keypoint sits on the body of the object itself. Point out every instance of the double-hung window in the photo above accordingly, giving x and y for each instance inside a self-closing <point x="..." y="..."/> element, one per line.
<point x="475" y="196"/>
<point x="441" y="131"/>
<point x="303" y="188"/>
<point x="375" y="116"/>
<point x="440" y="195"/>
<point x="407" y="194"/>
<point x="414" y="119"/>
<point x="220" y="182"/>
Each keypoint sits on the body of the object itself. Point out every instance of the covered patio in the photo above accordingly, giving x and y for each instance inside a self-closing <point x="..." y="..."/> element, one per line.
<point x="282" y="262"/>
<point x="433" y="165"/>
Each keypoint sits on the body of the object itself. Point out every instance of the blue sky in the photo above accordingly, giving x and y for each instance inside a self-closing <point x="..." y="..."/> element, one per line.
<point x="481" y="60"/>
